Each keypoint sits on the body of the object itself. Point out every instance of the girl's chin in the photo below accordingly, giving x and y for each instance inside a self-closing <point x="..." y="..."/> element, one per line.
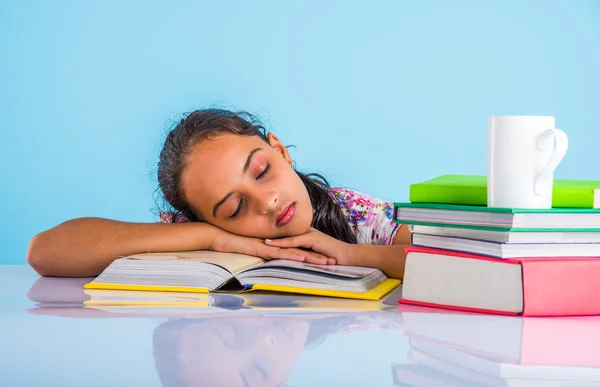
<point x="296" y="232"/>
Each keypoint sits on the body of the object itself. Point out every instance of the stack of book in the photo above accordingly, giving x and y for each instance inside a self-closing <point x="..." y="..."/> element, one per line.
<point x="456" y="349"/>
<point x="534" y="262"/>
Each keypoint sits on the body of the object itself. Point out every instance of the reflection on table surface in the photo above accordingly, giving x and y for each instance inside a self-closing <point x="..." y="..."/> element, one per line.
<point x="56" y="333"/>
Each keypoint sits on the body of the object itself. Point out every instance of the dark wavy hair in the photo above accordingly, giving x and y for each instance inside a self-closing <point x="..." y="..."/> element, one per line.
<point x="208" y="123"/>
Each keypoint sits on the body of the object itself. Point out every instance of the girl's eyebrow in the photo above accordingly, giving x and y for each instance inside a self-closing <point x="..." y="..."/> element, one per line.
<point x="249" y="159"/>
<point x="245" y="169"/>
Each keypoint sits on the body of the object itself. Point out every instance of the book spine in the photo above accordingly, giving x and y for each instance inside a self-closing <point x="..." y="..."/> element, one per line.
<point x="448" y="194"/>
<point x="562" y="197"/>
<point x="572" y="197"/>
<point x="561" y="287"/>
<point x="575" y="342"/>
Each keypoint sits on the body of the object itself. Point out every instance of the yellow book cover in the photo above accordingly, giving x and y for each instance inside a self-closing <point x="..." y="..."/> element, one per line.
<point x="99" y="297"/>
<point x="255" y="300"/>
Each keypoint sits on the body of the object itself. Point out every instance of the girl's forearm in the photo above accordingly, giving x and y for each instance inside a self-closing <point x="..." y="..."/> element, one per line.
<point x="389" y="259"/>
<point x="84" y="247"/>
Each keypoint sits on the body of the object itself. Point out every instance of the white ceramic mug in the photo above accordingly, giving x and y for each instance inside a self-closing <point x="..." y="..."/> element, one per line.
<point x="524" y="151"/>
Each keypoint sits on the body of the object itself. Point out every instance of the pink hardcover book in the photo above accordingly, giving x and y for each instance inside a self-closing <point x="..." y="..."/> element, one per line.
<point x="557" y="286"/>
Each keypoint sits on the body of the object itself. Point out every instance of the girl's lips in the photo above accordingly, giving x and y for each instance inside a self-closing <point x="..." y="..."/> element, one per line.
<point x="287" y="215"/>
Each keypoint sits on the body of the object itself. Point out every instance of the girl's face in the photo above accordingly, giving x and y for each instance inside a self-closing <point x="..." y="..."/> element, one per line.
<point x="246" y="351"/>
<point x="247" y="187"/>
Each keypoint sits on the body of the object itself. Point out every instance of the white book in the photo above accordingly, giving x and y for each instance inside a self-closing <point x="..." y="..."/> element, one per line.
<point x="491" y="372"/>
<point x="509" y="236"/>
<point x="507" y="250"/>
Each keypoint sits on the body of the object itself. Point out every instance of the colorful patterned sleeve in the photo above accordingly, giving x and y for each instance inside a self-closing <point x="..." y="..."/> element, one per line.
<point x="171" y="217"/>
<point x="372" y="322"/>
<point x="370" y="218"/>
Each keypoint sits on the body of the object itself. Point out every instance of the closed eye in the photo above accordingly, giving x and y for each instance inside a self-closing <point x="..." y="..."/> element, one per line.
<point x="264" y="172"/>
<point x="241" y="204"/>
<point x="238" y="210"/>
<point x="263" y="372"/>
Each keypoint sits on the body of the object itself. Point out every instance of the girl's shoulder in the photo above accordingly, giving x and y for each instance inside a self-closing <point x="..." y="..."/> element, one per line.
<point x="372" y="322"/>
<point x="172" y="217"/>
<point x="371" y="218"/>
<point x="359" y="205"/>
<point x="349" y="198"/>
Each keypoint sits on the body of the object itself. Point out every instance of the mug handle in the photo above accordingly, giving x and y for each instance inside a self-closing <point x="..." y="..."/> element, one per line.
<point x="561" y="143"/>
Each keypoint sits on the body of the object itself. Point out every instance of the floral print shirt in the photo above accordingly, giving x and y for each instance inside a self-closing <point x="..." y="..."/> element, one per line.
<point x="370" y="218"/>
<point x="372" y="322"/>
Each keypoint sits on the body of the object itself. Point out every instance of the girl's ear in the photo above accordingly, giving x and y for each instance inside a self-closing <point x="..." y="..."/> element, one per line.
<point x="279" y="147"/>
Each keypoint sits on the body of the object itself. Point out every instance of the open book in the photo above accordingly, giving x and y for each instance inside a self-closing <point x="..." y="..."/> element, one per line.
<point x="209" y="271"/>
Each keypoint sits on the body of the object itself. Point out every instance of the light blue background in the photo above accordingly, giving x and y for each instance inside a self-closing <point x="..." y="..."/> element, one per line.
<point x="374" y="94"/>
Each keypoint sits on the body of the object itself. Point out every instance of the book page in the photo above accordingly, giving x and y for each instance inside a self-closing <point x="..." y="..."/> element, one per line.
<point x="232" y="262"/>
<point x="337" y="270"/>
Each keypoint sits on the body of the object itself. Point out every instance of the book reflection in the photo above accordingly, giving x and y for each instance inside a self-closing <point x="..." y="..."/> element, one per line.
<point x="462" y="349"/>
<point x="218" y="339"/>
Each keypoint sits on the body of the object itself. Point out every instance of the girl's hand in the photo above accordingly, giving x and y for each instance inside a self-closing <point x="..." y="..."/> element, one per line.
<point x="319" y="243"/>
<point x="231" y="243"/>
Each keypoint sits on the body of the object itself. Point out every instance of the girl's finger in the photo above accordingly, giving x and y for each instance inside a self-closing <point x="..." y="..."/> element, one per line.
<point x="316" y="260"/>
<point x="278" y="253"/>
<point x="294" y="254"/>
<point x="312" y="257"/>
<point x="295" y="241"/>
<point x="322" y="261"/>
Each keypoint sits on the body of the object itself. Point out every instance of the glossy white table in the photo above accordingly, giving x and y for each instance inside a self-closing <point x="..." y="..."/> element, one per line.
<point x="48" y="338"/>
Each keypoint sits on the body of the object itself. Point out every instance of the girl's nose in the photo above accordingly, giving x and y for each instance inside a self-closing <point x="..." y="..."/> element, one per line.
<point x="268" y="202"/>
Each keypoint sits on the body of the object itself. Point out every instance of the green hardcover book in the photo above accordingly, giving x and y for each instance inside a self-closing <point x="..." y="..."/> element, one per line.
<point x="482" y="217"/>
<point x="472" y="190"/>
